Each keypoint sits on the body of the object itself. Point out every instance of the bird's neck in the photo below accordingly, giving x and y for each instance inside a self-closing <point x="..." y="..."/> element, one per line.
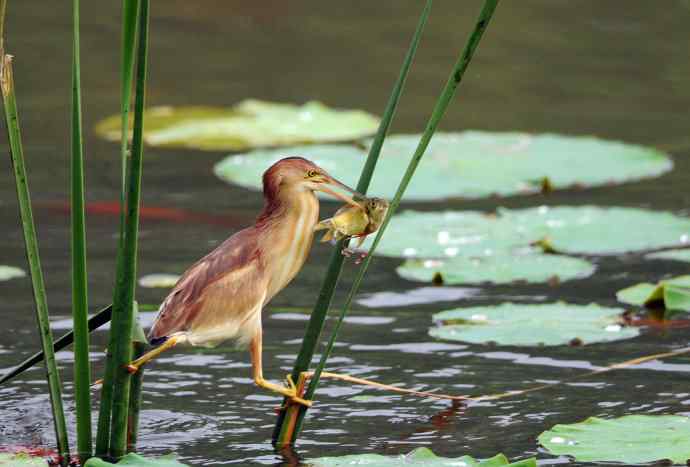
<point x="287" y="229"/>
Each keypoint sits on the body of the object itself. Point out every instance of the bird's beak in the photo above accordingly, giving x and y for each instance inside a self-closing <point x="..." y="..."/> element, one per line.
<point x="327" y="187"/>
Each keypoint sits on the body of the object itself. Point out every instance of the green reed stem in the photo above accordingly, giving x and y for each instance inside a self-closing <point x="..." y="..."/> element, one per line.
<point x="80" y="310"/>
<point x="439" y="110"/>
<point x="121" y="330"/>
<point x="32" y="254"/>
<point x="139" y="347"/>
<point x="130" y="9"/>
<point x="281" y="432"/>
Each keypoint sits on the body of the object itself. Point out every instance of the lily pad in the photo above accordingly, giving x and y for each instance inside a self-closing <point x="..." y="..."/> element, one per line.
<point x="579" y="230"/>
<point x="675" y="255"/>
<point x="21" y="460"/>
<point x="161" y="280"/>
<point x="532" y="324"/>
<point x="135" y="460"/>
<point x="10" y="272"/>
<point x="473" y="164"/>
<point x="498" y="269"/>
<point x="673" y="295"/>
<point x="419" y="457"/>
<point x="249" y="124"/>
<point x="632" y="439"/>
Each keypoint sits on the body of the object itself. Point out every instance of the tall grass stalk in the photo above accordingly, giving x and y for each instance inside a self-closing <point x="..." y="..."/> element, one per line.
<point x="437" y="113"/>
<point x="284" y="425"/>
<point x="31" y="244"/>
<point x="80" y="310"/>
<point x="123" y="297"/>
<point x="130" y="13"/>
<point x="139" y="347"/>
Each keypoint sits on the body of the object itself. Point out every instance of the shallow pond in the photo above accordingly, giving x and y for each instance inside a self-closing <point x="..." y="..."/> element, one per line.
<point x="576" y="68"/>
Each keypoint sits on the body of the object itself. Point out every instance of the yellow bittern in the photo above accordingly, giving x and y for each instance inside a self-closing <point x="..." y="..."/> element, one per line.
<point x="220" y="297"/>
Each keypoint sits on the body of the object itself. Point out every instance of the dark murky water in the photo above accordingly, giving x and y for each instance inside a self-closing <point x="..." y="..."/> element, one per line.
<point x="572" y="67"/>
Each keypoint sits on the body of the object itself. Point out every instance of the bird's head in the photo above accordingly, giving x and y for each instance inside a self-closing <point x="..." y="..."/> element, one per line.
<point x="302" y="175"/>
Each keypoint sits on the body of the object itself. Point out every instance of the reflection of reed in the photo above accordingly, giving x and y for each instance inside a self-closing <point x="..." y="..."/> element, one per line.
<point x="441" y="420"/>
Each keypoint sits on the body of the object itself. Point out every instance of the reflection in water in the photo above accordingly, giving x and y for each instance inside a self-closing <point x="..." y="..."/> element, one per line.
<point x="417" y="296"/>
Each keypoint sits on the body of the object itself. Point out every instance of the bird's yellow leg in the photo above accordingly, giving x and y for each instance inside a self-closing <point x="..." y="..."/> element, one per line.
<point x="289" y="391"/>
<point x="386" y="387"/>
<point x="172" y="341"/>
<point x="134" y="366"/>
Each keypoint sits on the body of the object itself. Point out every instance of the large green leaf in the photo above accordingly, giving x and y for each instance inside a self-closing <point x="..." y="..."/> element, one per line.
<point x="532" y="325"/>
<point x="473" y="164"/>
<point x="567" y="229"/>
<point x="249" y="124"/>
<point x="673" y="295"/>
<point x="632" y="439"/>
<point x="135" y="460"/>
<point x="21" y="460"/>
<point x="419" y="457"/>
<point x="498" y="268"/>
<point x="675" y="255"/>
<point x="10" y="272"/>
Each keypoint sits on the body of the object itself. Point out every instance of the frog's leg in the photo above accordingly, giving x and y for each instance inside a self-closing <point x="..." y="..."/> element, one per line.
<point x="328" y="236"/>
<point x="348" y="252"/>
<point x="324" y="224"/>
<point x="360" y="242"/>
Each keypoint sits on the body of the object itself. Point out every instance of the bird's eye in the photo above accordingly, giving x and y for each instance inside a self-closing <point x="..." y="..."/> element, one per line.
<point x="311" y="174"/>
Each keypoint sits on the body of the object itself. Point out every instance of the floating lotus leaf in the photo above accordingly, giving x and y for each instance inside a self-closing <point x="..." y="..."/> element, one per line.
<point x="419" y="457"/>
<point x="472" y="164"/>
<point x="21" y="460"/>
<point x="10" y="272"/>
<point x="632" y="439"/>
<point x="532" y="325"/>
<point x="673" y="295"/>
<point x="675" y="255"/>
<point x="498" y="268"/>
<point x="135" y="460"/>
<point x="580" y="230"/>
<point x="164" y="281"/>
<point x="249" y="124"/>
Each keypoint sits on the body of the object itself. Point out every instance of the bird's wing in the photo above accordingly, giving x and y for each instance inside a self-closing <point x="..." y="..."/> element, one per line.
<point x="219" y="288"/>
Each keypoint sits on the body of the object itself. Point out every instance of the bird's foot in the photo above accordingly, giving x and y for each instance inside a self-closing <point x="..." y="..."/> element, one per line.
<point x="347" y="252"/>
<point x="289" y="391"/>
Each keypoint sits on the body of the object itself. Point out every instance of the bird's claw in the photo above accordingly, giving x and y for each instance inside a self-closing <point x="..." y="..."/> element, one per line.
<point x="131" y="368"/>
<point x="292" y="388"/>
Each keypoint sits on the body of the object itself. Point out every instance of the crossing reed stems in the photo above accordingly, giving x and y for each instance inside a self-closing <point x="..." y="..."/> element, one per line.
<point x="283" y="431"/>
